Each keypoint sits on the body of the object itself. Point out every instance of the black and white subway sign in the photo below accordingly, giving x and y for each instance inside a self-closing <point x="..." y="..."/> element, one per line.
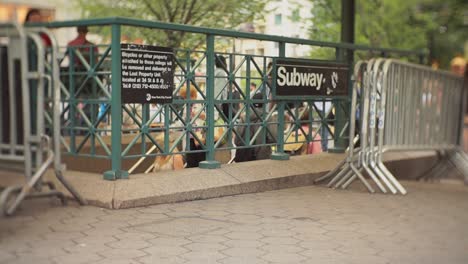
<point x="147" y="74"/>
<point x="307" y="78"/>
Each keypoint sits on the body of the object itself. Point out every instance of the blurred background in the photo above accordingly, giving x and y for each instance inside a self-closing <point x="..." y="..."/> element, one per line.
<point x="438" y="27"/>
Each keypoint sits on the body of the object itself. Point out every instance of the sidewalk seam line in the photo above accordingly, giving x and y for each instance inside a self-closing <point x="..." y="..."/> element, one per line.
<point x="113" y="195"/>
<point x="232" y="176"/>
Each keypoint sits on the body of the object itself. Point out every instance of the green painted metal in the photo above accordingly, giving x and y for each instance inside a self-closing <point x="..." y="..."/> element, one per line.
<point x="347" y="27"/>
<point x="210" y="162"/>
<point x="140" y="137"/>
<point x="71" y="100"/>
<point x="282" y="49"/>
<point x="116" y="110"/>
<point x="248" y="100"/>
<point x="94" y="94"/>
<point x="279" y="154"/>
<point x="144" y="130"/>
<point x="216" y="32"/>
<point x="339" y="144"/>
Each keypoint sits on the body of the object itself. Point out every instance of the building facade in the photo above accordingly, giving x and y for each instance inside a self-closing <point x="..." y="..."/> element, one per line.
<point x="288" y="18"/>
<point x="16" y="10"/>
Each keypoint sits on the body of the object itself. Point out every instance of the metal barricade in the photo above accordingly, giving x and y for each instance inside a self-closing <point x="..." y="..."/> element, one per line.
<point x="403" y="107"/>
<point x="23" y="138"/>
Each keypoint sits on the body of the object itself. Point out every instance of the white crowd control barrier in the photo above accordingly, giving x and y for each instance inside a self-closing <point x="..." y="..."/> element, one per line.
<point x="28" y="72"/>
<point x="401" y="107"/>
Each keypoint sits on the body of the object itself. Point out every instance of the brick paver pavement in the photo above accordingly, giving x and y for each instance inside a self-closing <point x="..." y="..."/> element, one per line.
<point x="300" y="225"/>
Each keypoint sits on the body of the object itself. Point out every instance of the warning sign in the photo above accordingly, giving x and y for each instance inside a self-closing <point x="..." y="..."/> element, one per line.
<point x="147" y="74"/>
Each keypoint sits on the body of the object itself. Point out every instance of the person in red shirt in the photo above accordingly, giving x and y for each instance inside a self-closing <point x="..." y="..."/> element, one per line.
<point x="84" y="85"/>
<point x="84" y="46"/>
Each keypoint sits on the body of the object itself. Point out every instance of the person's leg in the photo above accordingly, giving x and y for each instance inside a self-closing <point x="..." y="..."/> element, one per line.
<point x="193" y="159"/>
<point x="178" y="162"/>
<point x="324" y="136"/>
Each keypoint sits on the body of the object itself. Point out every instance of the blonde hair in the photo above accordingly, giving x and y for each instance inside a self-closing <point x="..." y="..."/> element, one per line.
<point x="458" y="61"/>
<point x="192" y="91"/>
<point x="457" y="66"/>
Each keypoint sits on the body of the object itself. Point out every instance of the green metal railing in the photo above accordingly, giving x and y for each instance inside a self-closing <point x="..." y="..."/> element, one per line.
<point x="96" y="124"/>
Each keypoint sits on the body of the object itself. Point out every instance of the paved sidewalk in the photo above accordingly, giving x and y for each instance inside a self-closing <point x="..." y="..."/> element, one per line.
<point x="195" y="183"/>
<point x="301" y="225"/>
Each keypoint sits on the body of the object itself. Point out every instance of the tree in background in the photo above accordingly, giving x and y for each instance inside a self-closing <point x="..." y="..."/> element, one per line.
<point x="226" y="14"/>
<point x="437" y="26"/>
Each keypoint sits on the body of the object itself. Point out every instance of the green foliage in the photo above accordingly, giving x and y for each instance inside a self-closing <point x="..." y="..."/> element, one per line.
<point x="404" y="24"/>
<point x="226" y="14"/>
<point x="325" y="26"/>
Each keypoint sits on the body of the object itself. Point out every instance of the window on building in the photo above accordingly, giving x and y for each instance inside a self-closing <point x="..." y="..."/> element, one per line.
<point x="278" y="19"/>
<point x="250" y="51"/>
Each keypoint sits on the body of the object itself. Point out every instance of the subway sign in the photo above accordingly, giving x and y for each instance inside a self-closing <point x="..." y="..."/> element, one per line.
<point x="309" y="78"/>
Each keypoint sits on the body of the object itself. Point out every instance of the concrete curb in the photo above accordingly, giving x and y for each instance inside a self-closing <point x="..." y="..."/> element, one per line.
<point x="233" y="179"/>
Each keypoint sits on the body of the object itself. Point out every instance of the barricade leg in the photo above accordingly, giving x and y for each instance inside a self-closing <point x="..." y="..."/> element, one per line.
<point x="361" y="177"/>
<point x="348" y="174"/>
<point x="373" y="176"/>
<point x="26" y="189"/>
<point x="381" y="175"/>
<point x="392" y="179"/>
<point x="340" y="174"/>
<point x="459" y="160"/>
<point x="69" y="187"/>
<point x="331" y="173"/>
<point x="426" y="174"/>
<point x="11" y="198"/>
<point x="439" y="170"/>
<point x="350" y="180"/>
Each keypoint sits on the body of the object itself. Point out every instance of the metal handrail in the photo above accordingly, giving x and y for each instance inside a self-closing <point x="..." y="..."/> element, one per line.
<point x="124" y="21"/>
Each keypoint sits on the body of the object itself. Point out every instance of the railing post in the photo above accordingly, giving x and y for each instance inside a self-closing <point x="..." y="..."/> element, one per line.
<point x="210" y="162"/>
<point x="72" y="100"/>
<point x="56" y="97"/>
<point x="344" y="55"/>
<point x="340" y="143"/>
<point x="421" y="57"/>
<point x="279" y="154"/>
<point x="116" y="110"/>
